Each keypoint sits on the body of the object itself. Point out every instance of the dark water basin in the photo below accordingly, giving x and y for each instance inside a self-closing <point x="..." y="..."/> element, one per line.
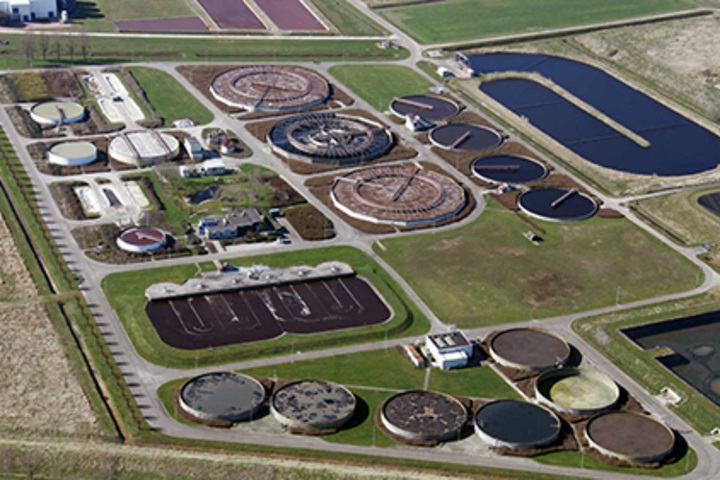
<point x="678" y="145"/>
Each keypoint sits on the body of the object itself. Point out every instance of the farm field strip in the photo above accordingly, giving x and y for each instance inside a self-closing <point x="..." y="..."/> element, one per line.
<point x="454" y="20"/>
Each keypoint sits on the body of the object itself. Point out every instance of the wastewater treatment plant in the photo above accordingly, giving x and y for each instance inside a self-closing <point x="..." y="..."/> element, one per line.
<point x="324" y="238"/>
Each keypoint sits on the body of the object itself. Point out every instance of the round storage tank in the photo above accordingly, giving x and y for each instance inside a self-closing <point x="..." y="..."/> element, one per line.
<point x="516" y="425"/>
<point x="630" y="437"/>
<point x="528" y="349"/>
<point x="509" y="169"/>
<point x="429" y="107"/>
<point x="72" y="153"/>
<point x="57" y="112"/>
<point x="141" y="239"/>
<point x="227" y="396"/>
<point x="313" y="404"/>
<point x="423" y="415"/>
<point x="144" y="148"/>
<point x="577" y="391"/>
<point x="470" y="138"/>
<point x="557" y="204"/>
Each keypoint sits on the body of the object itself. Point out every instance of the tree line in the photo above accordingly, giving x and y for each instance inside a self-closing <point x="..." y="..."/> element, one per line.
<point x="47" y="46"/>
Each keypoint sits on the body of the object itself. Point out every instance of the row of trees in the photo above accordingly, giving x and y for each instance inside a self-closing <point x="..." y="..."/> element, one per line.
<point x="57" y="46"/>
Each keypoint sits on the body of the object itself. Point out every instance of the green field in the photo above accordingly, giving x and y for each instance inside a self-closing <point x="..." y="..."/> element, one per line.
<point x="681" y="214"/>
<point x="348" y="19"/>
<point x="169" y="99"/>
<point x="487" y="273"/>
<point x="125" y="291"/>
<point x="109" y="50"/>
<point x="456" y="20"/>
<point x="378" y="85"/>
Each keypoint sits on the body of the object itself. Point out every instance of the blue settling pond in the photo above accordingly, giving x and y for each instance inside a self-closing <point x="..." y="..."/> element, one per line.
<point x="678" y="145"/>
<point x="696" y="343"/>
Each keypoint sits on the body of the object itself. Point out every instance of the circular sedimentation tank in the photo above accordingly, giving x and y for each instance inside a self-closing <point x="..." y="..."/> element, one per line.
<point x="270" y="88"/>
<point x="557" y="204"/>
<point x="226" y="396"/>
<point x="528" y="349"/>
<point x="72" y="153"/>
<point x="465" y="137"/>
<point x="509" y="169"/>
<point x="330" y="138"/>
<point x="428" y="107"/>
<point x="141" y="239"/>
<point x="516" y="425"/>
<point x="57" y="112"/>
<point x="398" y="195"/>
<point x="144" y="148"/>
<point x="577" y="391"/>
<point x="423" y="415"/>
<point x="313" y="404"/>
<point x="630" y="437"/>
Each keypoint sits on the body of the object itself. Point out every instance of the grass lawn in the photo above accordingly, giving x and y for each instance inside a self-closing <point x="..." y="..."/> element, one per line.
<point x="380" y="369"/>
<point x="361" y="429"/>
<point x="169" y="99"/>
<point x="487" y="273"/>
<point x="478" y="382"/>
<point x="348" y="19"/>
<point x="108" y="50"/>
<point x="576" y="459"/>
<point x="380" y="84"/>
<point x="125" y="292"/>
<point x="456" y="20"/>
<point x="681" y="214"/>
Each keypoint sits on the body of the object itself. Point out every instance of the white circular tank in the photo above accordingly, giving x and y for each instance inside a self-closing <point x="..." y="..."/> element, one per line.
<point x="144" y="148"/>
<point x="55" y="112"/>
<point x="72" y="153"/>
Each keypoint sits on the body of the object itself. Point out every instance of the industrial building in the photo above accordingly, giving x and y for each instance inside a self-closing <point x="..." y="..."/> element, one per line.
<point x="449" y="350"/>
<point x="29" y="10"/>
<point x="233" y="225"/>
<point x="207" y="168"/>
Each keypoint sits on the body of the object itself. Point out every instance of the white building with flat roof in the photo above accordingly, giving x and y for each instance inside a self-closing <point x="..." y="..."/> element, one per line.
<point x="29" y="10"/>
<point x="449" y="350"/>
